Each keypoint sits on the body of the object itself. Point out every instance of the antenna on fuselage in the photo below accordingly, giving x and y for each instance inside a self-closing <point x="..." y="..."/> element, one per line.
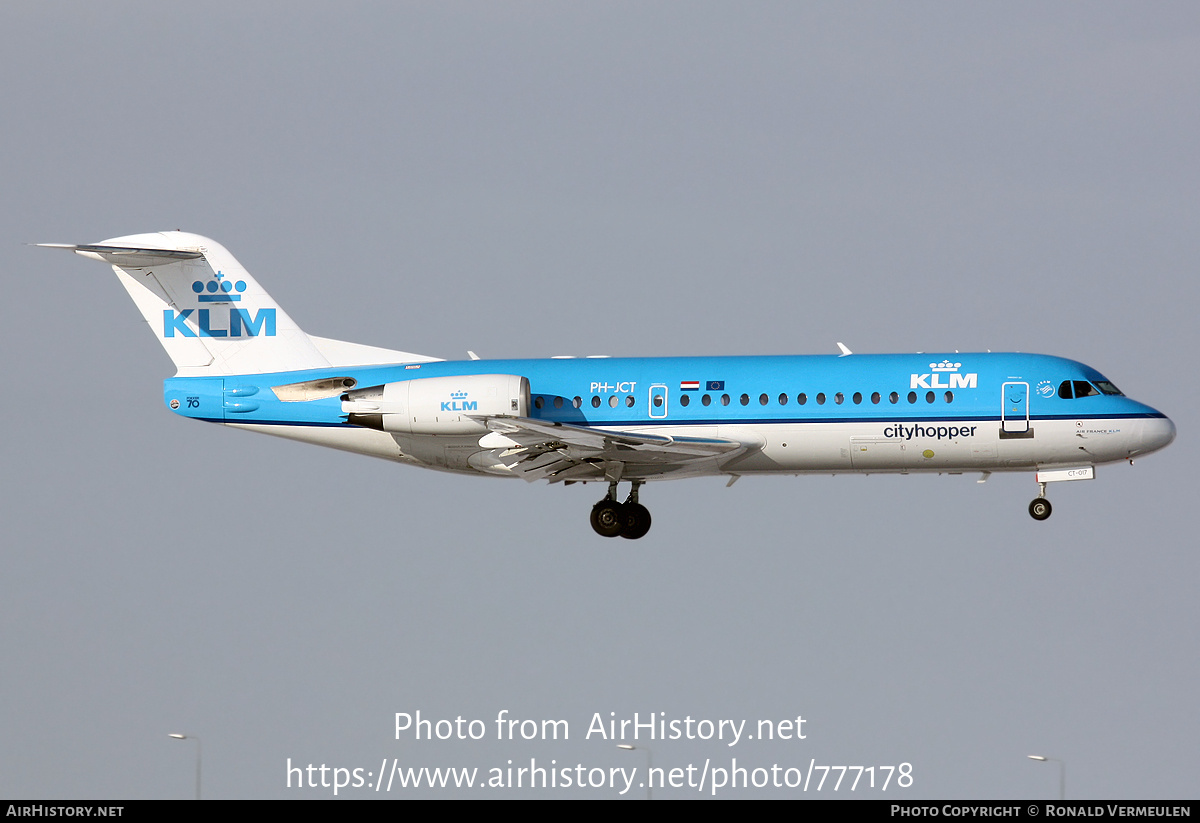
<point x="845" y="351"/>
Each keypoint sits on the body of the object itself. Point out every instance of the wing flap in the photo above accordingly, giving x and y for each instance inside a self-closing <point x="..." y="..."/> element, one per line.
<point x="537" y="449"/>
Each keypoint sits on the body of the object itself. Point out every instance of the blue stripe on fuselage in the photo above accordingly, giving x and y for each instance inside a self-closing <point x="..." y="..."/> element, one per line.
<point x="973" y="379"/>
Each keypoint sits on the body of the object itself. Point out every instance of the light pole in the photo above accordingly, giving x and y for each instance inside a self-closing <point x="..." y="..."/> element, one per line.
<point x="1062" y="772"/>
<point x="629" y="747"/>
<point x="177" y="736"/>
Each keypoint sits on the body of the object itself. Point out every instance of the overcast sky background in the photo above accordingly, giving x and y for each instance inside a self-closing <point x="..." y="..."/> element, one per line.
<point x="532" y="179"/>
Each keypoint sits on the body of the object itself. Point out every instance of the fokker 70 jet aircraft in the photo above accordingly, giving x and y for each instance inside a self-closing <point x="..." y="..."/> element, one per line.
<point x="243" y="362"/>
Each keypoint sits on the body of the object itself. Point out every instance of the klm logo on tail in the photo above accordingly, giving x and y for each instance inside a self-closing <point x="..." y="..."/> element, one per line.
<point x="229" y="322"/>
<point x="233" y="323"/>
<point x="219" y="290"/>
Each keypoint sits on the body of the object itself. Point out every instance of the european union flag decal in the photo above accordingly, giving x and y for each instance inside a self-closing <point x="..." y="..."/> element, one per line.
<point x="715" y="385"/>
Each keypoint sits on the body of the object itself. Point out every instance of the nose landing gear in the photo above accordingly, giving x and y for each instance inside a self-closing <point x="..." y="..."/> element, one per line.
<point x="1040" y="508"/>
<point x="630" y="519"/>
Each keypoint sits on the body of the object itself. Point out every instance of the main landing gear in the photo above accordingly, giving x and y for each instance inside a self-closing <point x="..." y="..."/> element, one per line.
<point x="1040" y="508"/>
<point x="629" y="519"/>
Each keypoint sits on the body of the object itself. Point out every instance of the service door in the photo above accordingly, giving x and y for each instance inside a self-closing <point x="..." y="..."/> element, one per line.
<point x="1014" y="408"/>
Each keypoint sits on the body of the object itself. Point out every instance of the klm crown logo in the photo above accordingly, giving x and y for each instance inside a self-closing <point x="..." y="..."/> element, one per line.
<point x="458" y="402"/>
<point x="230" y="322"/>
<point x="933" y="380"/>
<point x="219" y="290"/>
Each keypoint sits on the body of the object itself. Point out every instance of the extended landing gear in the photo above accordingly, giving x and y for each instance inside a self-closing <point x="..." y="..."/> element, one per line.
<point x="629" y="519"/>
<point x="606" y="518"/>
<point x="1040" y="508"/>
<point x="635" y="520"/>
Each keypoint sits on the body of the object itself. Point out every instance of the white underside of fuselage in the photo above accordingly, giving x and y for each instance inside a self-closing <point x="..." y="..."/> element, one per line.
<point x="794" y="448"/>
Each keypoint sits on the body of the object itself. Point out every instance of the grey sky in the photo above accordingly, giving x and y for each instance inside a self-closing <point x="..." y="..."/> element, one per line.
<point x="531" y="179"/>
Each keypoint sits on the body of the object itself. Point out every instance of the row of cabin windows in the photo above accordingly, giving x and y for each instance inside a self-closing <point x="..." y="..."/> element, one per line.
<point x="820" y="398"/>
<point x="763" y="399"/>
<point x="1067" y="390"/>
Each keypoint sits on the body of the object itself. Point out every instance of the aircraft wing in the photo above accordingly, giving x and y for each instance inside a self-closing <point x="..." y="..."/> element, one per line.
<point x="540" y="450"/>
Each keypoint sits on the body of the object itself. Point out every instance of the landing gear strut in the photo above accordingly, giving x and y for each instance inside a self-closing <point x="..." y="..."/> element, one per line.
<point x="630" y="519"/>
<point x="1040" y="508"/>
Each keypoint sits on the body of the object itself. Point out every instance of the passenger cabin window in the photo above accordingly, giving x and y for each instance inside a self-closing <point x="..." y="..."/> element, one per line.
<point x="684" y="400"/>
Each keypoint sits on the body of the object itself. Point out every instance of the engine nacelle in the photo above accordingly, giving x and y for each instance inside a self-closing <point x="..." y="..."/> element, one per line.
<point x="437" y="405"/>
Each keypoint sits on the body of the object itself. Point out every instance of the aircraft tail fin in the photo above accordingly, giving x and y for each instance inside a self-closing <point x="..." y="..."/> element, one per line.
<point x="209" y="314"/>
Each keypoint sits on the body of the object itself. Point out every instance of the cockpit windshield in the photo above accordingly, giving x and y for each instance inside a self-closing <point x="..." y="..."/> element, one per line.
<point x="1071" y="389"/>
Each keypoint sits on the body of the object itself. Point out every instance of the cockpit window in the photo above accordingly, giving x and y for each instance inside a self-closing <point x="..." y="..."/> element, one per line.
<point x="1071" y="389"/>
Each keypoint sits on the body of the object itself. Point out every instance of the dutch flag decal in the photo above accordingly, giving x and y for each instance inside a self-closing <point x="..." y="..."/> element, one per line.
<point x="689" y="385"/>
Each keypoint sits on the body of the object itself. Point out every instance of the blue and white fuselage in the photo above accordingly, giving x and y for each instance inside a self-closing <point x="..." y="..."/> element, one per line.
<point x="823" y="414"/>
<point x="242" y="362"/>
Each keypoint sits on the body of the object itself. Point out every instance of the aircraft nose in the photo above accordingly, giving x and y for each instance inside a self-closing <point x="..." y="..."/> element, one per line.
<point x="1157" y="432"/>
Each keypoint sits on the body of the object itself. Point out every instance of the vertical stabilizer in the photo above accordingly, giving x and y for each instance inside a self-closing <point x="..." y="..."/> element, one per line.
<point x="210" y="315"/>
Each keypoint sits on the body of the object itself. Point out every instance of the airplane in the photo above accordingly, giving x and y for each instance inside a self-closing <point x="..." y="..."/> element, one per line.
<point x="242" y="362"/>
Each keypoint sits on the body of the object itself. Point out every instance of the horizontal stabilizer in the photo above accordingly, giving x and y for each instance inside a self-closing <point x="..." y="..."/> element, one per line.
<point x="126" y="255"/>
